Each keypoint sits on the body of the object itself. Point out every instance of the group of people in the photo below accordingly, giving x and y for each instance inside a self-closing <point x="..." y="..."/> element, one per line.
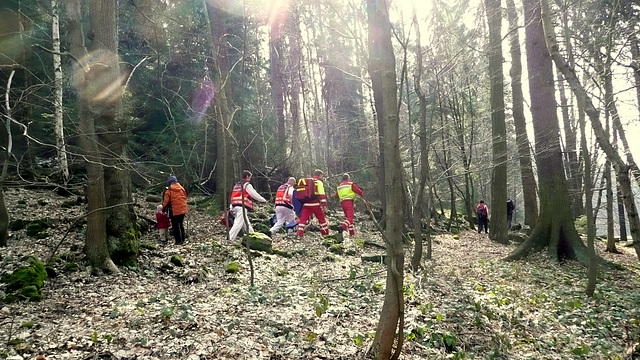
<point x="482" y="212"/>
<point x="290" y="205"/>
<point x="291" y="211"/>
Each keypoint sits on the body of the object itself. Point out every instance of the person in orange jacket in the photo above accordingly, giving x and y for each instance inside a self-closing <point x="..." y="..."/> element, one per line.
<point x="284" y="206"/>
<point x="242" y="197"/>
<point x="346" y="192"/>
<point x="315" y="206"/>
<point x="174" y="204"/>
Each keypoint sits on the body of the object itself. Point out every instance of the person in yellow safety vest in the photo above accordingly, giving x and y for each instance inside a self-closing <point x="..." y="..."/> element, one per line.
<point x="315" y="206"/>
<point x="242" y="197"/>
<point x="346" y="192"/>
<point x="284" y="205"/>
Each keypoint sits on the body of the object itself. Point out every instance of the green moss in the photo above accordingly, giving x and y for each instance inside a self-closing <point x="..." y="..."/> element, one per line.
<point x="31" y="292"/>
<point x="124" y="249"/>
<point x="26" y="281"/>
<point x="17" y="224"/>
<point x="37" y="227"/>
<point x="334" y="238"/>
<point x="69" y="204"/>
<point x="148" y="246"/>
<point x="282" y="253"/>
<point x="71" y="267"/>
<point x="233" y="267"/>
<point x="28" y="325"/>
<point x="337" y="249"/>
<point x="177" y="260"/>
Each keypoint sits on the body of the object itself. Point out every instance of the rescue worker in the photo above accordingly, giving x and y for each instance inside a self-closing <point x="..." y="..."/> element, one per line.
<point x="346" y="192"/>
<point x="242" y="197"/>
<point x="284" y="206"/>
<point x="174" y="203"/>
<point x="314" y="206"/>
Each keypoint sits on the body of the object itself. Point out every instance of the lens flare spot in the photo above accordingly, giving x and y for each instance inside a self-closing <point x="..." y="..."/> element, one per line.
<point x="98" y="79"/>
<point x="202" y="100"/>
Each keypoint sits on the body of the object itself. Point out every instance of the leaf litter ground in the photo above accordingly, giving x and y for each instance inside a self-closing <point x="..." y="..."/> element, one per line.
<point x="465" y="303"/>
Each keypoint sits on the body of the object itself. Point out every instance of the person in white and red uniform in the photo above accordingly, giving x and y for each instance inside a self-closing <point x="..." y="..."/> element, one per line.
<point x="242" y="197"/>
<point x="284" y="205"/>
<point x="316" y="206"/>
<point x="346" y="192"/>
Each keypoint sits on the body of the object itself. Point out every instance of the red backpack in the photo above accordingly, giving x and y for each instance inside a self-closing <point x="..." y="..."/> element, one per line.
<point x="306" y="189"/>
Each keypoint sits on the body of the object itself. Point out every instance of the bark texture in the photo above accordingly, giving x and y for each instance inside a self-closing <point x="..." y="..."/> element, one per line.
<point x="498" y="231"/>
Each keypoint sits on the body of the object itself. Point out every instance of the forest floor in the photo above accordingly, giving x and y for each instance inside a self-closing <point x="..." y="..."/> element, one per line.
<point x="466" y="303"/>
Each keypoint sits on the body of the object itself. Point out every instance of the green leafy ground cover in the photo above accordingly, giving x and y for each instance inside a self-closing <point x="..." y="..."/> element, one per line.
<point x="313" y="304"/>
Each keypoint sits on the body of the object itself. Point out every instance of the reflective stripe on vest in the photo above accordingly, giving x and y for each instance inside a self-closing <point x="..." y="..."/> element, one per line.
<point x="237" y="193"/>
<point x="345" y="191"/>
<point x="283" y="197"/>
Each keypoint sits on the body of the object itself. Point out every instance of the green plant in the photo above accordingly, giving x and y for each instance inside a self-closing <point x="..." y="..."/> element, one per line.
<point x="358" y="339"/>
<point x="233" y="267"/>
<point x="581" y="224"/>
<point x="167" y="312"/>
<point x="321" y="305"/>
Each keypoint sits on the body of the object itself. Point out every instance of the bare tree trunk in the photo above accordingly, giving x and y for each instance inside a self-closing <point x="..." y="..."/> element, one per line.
<point x="276" y="56"/>
<point x="383" y="80"/>
<point x="498" y="229"/>
<point x="61" y="149"/>
<point x="591" y="229"/>
<point x="621" y="219"/>
<point x="622" y="169"/>
<point x="111" y="127"/>
<point x="4" y="214"/>
<point x="96" y="237"/>
<point x="529" y="185"/>
<point x="219" y="66"/>
<point x="295" y="75"/>
<point x="424" y="137"/>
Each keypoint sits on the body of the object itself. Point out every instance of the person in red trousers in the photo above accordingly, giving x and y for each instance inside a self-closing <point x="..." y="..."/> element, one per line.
<point x="316" y="206"/>
<point x="346" y="192"/>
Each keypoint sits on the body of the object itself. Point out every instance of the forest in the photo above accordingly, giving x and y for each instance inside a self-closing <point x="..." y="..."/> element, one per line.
<point x="433" y="109"/>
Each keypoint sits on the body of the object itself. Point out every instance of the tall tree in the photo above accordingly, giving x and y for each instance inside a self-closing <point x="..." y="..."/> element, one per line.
<point x="424" y="139"/>
<point x="529" y="185"/>
<point x="111" y="127"/>
<point x="57" y="70"/>
<point x="555" y="228"/>
<point x="498" y="230"/>
<point x="383" y="80"/>
<point x="277" y="21"/>
<point x="622" y="169"/>
<point x="96" y="236"/>
<point x="220" y="73"/>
